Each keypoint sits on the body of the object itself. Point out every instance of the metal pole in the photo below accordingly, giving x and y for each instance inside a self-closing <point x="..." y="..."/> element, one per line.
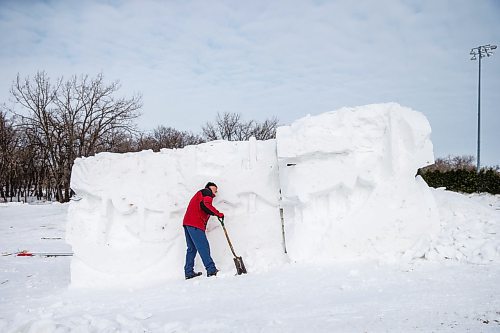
<point x="479" y="116"/>
<point x="481" y="51"/>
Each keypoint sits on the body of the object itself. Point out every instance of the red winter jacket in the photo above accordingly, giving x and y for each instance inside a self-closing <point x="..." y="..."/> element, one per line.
<point x="199" y="209"/>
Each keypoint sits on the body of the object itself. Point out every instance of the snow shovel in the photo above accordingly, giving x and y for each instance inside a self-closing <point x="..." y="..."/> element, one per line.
<point x="238" y="262"/>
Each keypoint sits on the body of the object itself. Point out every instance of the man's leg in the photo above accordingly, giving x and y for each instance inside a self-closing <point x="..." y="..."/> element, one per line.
<point x="190" y="254"/>
<point x="200" y="241"/>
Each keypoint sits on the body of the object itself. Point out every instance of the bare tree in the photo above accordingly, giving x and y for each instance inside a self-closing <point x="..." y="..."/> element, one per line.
<point x="72" y="119"/>
<point x="21" y="166"/>
<point x="230" y="126"/>
<point x="167" y="137"/>
<point x="464" y="162"/>
<point x="8" y="144"/>
<point x="227" y="126"/>
<point x="91" y="113"/>
<point x="265" y="130"/>
<point x="119" y="142"/>
<point x="145" y="141"/>
<point x="37" y="122"/>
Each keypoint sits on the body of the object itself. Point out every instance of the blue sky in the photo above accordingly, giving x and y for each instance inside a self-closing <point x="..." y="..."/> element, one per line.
<point x="192" y="59"/>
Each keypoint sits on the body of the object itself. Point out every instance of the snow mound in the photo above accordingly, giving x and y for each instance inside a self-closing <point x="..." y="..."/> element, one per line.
<point x="127" y="228"/>
<point x="469" y="228"/>
<point x="348" y="183"/>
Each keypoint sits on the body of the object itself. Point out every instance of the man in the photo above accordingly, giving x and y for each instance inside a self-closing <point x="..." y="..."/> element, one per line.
<point x="195" y="221"/>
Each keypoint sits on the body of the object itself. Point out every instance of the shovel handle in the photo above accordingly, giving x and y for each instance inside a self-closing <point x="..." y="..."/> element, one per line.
<point x="240" y="266"/>
<point x="227" y="237"/>
<point x="221" y="220"/>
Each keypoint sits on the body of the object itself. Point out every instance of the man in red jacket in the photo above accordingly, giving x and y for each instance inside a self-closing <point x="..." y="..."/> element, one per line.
<point x="195" y="221"/>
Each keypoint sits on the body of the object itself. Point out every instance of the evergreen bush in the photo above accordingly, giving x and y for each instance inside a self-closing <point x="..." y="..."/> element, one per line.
<point x="462" y="180"/>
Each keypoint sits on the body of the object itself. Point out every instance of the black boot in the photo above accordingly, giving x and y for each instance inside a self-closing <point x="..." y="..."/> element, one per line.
<point x="214" y="273"/>
<point x="193" y="275"/>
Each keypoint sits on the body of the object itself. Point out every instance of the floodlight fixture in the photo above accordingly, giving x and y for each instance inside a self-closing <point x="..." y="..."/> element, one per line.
<point x="483" y="50"/>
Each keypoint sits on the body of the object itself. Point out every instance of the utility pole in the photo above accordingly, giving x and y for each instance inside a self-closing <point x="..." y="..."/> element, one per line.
<point x="480" y="52"/>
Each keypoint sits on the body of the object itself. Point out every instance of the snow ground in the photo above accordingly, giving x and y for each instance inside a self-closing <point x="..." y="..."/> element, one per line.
<point x="360" y="296"/>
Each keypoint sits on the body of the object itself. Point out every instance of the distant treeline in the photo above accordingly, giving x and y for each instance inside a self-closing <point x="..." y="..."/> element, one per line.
<point x="459" y="174"/>
<point x="56" y="121"/>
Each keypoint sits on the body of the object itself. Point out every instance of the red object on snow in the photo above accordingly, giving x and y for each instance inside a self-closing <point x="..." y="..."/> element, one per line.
<point x="24" y="254"/>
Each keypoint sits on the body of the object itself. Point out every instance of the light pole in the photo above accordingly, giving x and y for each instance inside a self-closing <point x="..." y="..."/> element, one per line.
<point x="480" y="51"/>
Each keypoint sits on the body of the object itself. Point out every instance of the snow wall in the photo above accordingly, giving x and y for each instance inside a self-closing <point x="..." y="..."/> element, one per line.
<point x="345" y="182"/>
<point x="127" y="228"/>
<point x="349" y="187"/>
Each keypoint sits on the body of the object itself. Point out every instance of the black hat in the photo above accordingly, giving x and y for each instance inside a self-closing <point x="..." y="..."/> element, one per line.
<point x="210" y="184"/>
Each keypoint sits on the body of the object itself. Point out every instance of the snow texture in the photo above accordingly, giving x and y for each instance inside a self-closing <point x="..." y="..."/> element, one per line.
<point x="348" y="183"/>
<point x="476" y="242"/>
<point x="344" y="180"/>
<point x="127" y="228"/>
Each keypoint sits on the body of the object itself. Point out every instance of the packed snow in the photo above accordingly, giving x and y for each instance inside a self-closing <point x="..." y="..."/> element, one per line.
<point x="336" y="231"/>
<point x="424" y="295"/>
<point x="348" y="183"/>
<point x="126" y="231"/>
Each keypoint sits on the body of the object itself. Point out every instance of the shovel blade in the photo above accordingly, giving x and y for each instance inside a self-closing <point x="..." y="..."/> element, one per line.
<point x="240" y="266"/>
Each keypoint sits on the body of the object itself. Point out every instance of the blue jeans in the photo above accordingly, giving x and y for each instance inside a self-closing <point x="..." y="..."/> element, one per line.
<point x="197" y="241"/>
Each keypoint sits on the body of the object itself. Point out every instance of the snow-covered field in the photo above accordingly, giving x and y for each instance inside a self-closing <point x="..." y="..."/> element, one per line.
<point x="419" y="295"/>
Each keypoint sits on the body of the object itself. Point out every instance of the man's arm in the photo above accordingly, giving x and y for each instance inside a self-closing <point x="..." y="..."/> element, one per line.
<point x="206" y="204"/>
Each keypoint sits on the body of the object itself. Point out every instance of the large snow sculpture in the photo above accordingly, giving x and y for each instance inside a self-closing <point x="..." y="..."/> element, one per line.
<point x="346" y="180"/>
